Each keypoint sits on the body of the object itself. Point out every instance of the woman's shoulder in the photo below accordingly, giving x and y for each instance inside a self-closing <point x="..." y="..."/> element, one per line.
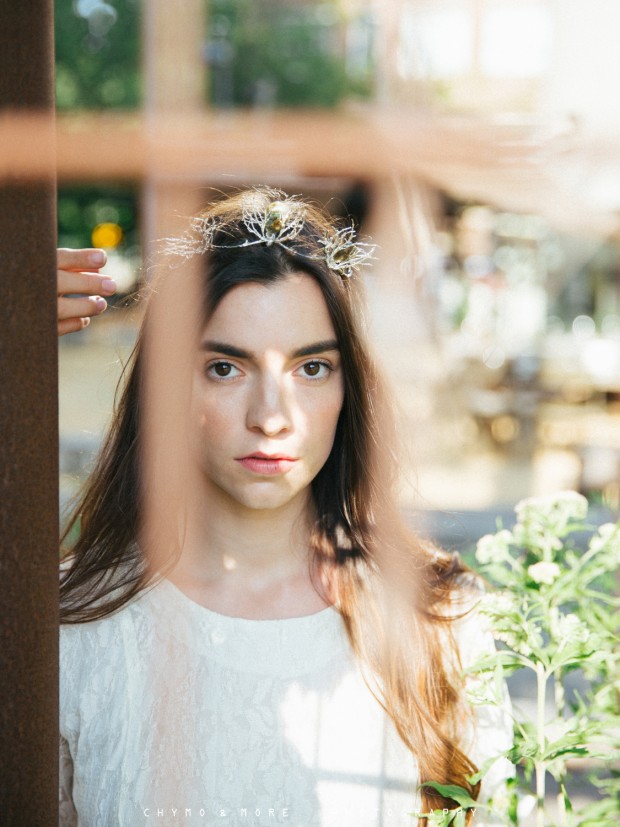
<point x="85" y="647"/>
<point x="467" y="591"/>
<point x="86" y="643"/>
<point x="96" y="595"/>
<point x="94" y="669"/>
<point x="94" y="657"/>
<point x="458" y="610"/>
<point x="460" y="588"/>
<point x="469" y="627"/>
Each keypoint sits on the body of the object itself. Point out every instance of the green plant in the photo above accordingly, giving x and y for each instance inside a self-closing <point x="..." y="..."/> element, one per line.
<point x="553" y="612"/>
<point x="445" y="817"/>
<point x="281" y="54"/>
<point x="97" y="46"/>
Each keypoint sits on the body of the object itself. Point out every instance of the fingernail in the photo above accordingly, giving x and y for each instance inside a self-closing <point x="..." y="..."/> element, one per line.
<point x="86" y="321"/>
<point x="97" y="258"/>
<point x="100" y="304"/>
<point x="109" y="285"/>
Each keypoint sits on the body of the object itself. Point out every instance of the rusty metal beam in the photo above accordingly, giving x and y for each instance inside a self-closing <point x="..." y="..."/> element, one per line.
<point x="28" y="444"/>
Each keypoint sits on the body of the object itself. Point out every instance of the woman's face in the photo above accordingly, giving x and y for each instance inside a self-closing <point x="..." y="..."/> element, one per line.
<point x="268" y="390"/>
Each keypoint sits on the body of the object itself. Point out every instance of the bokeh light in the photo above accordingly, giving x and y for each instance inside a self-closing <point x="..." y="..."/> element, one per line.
<point x="107" y="235"/>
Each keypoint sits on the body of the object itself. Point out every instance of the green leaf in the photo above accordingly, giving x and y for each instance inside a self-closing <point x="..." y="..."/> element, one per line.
<point x="486" y="766"/>
<point x="574" y="751"/>
<point x="452" y="791"/>
<point x="513" y="806"/>
<point x="437" y="818"/>
<point x="567" y="802"/>
<point x="460" y="819"/>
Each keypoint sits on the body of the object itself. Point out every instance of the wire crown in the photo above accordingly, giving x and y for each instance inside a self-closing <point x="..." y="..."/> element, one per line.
<point x="281" y="222"/>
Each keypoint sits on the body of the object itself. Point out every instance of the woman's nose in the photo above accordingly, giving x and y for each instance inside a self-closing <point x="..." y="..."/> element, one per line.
<point x="269" y="408"/>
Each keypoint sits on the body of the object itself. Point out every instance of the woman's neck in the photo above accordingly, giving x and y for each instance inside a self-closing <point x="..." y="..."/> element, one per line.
<point x="248" y="562"/>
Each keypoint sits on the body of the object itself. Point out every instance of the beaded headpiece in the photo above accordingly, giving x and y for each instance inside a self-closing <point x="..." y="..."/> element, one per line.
<point x="280" y="222"/>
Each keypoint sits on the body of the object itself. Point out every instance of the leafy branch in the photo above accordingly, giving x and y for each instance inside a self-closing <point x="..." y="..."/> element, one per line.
<point x="552" y="612"/>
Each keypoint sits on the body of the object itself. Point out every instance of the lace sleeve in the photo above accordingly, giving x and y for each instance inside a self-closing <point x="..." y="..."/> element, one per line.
<point x="67" y="816"/>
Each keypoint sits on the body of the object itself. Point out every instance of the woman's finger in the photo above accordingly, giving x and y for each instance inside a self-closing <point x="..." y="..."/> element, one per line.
<point x="72" y="325"/>
<point x="80" y="307"/>
<point x="75" y="276"/>
<point x="88" y="283"/>
<point x="88" y="258"/>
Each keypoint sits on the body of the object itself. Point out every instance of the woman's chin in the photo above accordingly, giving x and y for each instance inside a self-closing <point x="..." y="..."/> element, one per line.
<point x="267" y="495"/>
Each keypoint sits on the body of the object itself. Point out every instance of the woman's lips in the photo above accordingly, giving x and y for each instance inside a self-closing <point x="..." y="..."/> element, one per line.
<point x="266" y="465"/>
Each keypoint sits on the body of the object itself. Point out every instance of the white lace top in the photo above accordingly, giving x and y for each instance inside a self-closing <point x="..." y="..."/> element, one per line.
<point x="171" y="714"/>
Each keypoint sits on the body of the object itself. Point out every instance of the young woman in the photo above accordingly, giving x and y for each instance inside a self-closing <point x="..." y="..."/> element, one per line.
<point x="277" y="649"/>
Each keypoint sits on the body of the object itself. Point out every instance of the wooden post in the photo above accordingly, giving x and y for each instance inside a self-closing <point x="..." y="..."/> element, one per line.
<point x="29" y="441"/>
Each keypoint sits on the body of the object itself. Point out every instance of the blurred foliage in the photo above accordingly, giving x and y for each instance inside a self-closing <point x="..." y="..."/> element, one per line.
<point x="97" y="54"/>
<point x="82" y="208"/>
<point x="257" y="54"/>
<point x="276" y="54"/>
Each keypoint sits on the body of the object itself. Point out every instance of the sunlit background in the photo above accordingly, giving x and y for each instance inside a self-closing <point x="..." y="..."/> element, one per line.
<point x="475" y="141"/>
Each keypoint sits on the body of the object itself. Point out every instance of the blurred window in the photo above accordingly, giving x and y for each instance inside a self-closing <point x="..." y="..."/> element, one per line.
<point x="501" y="38"/>
<point x="516" y="39"/>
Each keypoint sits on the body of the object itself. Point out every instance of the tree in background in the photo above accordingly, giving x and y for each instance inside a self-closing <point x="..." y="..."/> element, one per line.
<point x="275" y="53"/>
<point x="97" y="54"/>
<point x="272" y="53"/>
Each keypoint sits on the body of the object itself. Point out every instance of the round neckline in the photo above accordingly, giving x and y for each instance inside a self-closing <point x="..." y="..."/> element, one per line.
<point x="278" y="648"/>
<point x="180" y="595"/>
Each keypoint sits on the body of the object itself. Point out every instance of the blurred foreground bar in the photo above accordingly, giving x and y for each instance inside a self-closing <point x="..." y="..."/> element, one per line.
<point x="28" y="448"/>
<point x="471" y="157"/>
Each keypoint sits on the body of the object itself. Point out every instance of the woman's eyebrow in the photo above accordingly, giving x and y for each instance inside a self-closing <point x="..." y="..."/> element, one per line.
<point x="238" y="353"/>
<point x="317" y="347"/>
<point x="226" y="350"/>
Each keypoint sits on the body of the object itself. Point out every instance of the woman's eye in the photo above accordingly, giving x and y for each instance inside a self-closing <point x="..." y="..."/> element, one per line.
<point x="316" y="369"/>
<point x="222" y="370"/>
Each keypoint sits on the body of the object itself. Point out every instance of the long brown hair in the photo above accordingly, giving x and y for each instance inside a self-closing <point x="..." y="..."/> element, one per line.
<point x="396" y="594"/>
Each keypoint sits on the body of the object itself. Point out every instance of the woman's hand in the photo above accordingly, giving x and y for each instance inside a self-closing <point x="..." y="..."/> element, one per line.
<point x="78" y="273"/>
